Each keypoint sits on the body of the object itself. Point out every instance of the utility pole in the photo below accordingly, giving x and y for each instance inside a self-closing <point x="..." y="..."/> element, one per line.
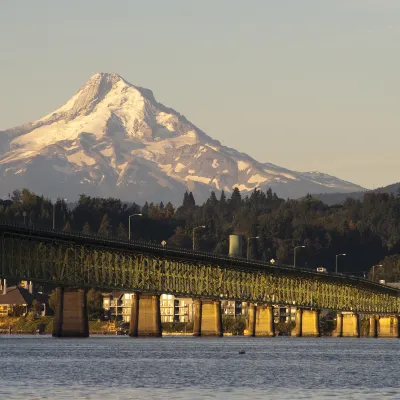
<point x="248" y="244"/>
<point x="338" y="255"/>
<point x="294" y="257"/>
<point x="129" y="224"/>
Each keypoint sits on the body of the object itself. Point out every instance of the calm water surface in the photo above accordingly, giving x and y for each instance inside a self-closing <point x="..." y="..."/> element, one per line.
<point x="37" y="367"/>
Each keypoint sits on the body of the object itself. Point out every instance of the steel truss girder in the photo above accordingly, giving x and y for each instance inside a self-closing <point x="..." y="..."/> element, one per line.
<point x="67" y="263"/>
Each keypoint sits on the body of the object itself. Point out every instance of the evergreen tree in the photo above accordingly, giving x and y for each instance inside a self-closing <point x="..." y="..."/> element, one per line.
<point x="105" y="228"/>
<point x="121" y="232"/>
<point x="67" y="227"/>
<point x="86" y="229"/>
<point x="145" y="209"/>
<point x="169" y="211"/>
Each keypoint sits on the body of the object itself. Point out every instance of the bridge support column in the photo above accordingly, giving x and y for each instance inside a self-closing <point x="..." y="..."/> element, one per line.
<point x="310" y="323"/>
<point x="251" y="320"/>
<point x="299" y="322"/>
<point x="71" y="319"/>
<point x="197" y="317"/>
<point x="207" y="318"/>
<point x="211" y="318"/>
<point x="264" y="321"/>
<point x="388" y="326"/>
<point x="373" y="326"/>
<point x="338" y="332"/>
<point x="351" y="325"/>
<point x="145" y="316"/>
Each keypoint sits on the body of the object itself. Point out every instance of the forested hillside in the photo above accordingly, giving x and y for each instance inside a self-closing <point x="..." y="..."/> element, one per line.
<point x="367" y="231"/>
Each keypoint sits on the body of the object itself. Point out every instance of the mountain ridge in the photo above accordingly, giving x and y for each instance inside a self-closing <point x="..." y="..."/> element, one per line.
<point x="113" y="138"/>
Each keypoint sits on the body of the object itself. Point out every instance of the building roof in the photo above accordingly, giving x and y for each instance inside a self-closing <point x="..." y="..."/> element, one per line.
<point x="17" y="295"/>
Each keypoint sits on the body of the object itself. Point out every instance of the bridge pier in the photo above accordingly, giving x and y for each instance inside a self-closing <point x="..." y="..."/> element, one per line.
<point x="310" y="323"/>
<point x="264" y="321"/>
<point x="338" y="332"/>
<point x="70" y="317"/>
<point x="145" y="316"/>
<point x="373" y="326"/>
<point x="296" y="331"/>
<point x="207" y="318"/>
<point x="251" y="320"/>
<point x="307" y="323"/>
<point x="351" y="325"/>
<point x="388" y="326"/>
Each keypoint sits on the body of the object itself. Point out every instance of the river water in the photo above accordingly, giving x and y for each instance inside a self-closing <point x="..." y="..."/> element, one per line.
<point x="40" y="367"/>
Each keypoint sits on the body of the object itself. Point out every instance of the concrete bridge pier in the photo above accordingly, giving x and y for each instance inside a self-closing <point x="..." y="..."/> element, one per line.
<point x="70" y="317"/>
<point x="298" y="323"/>
<point x="307" y="323"/>
<point x="373" y="326"/>
<point x="310" y="323"/>
<point x="338" y="332"/>
<point x="351" y="325"/>
<point x="145" y="316"/>
<point x="264" y="321"/>
<point x="388" y="326"/>
<point x="207" y="318"/>
<point x="251" y="320"/>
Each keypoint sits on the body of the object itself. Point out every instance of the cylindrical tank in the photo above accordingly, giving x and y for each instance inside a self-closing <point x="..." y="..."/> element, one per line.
<point x="235" y="245"/>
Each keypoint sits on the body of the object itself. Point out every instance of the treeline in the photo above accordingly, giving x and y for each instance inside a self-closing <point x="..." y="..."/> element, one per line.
<point x="367" y="231"/>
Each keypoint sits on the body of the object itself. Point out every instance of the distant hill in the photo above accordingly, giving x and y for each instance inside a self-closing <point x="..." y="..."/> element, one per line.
<point x="338" y="198"/>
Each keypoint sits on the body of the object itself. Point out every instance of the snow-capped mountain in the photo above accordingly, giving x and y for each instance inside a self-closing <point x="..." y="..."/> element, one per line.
<point x="114" y="139"/>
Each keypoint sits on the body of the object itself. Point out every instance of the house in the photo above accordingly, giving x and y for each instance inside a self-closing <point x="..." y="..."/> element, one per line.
<point x="18" y="300"/>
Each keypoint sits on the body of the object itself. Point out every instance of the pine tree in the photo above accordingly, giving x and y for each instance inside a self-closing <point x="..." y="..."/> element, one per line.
<point x="121" y="232"/>
<point x="105" y="228"/>
<point x="236" y="199"/>
<point x="86" y="229"/>
<point x="169" y="211"/>
<point x="67" y="227"/>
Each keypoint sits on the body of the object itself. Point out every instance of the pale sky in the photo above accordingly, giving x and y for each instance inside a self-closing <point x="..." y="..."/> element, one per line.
<point x="304" y="84"/>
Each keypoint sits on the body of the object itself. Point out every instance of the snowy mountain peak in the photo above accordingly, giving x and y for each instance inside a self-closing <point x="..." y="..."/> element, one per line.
<point x="114" y="139"/>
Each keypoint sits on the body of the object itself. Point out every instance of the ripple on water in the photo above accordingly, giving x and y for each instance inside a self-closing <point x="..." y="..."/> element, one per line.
<point x="198" y="368"/>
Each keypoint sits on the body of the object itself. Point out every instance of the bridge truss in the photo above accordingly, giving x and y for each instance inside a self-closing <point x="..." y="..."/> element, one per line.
<point x="93" y="262"/>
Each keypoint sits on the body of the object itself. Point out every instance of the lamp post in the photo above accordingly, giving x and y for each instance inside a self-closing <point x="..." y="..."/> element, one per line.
<point x="193" y="235"/>
<point x="373" y="270"/>
<point x="54" y="212"/>
<point x="129" y="224"/>
<point x="294" y="256"/>
<point x="338" y="255"/>
<point x="248" y="244"/>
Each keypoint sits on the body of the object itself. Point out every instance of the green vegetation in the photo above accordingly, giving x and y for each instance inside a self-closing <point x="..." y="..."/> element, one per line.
<point x="367" y="231"/>
<point x="177" y="327"/>
<point x="234" y="324"/>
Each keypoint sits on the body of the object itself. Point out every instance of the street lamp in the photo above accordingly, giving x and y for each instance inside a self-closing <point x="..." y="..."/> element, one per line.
<point x="54" y="212"/>
<point x="248" y="244"/>
<point x="373" y="270"/>
<point x="193" y="234"/>
<point x="129" y="223"/>
<point x="338" y="255"/>
<point x="294" y="256"/>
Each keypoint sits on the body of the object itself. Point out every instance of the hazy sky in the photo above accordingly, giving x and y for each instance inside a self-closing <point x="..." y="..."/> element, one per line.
<point x="304" y="84"/>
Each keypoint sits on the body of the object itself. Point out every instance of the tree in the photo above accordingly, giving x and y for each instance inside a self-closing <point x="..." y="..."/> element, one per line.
<point x="86" y="229"/>
<point x="36" y="308"/>
<point x="121" y="232"/>
<point x="94" y="304"/>
<point x="53" y="300"/>
<point x="169" y="211"/>
<point x="67" y="227"/>
<point x="105" y="228"/>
